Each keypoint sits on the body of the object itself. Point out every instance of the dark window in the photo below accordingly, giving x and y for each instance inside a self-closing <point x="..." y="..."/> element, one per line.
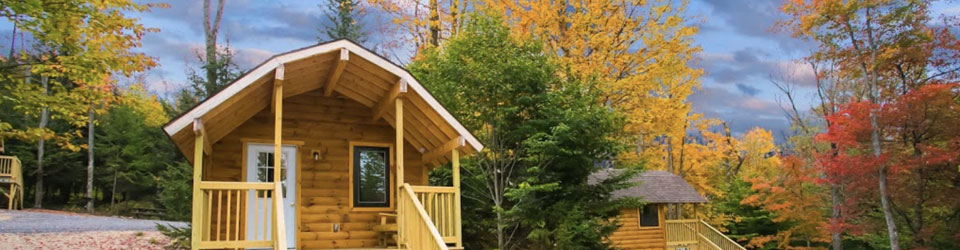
<point x="649" y="216"/>
<point x="371" y="177"/>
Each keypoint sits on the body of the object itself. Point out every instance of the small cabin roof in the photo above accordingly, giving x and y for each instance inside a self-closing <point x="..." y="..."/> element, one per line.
<point x="365" y="77"/>
<point x="654" y="187"/>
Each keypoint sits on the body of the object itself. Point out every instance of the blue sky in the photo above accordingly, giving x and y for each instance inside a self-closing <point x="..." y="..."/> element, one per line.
<point x="741" y="52"/>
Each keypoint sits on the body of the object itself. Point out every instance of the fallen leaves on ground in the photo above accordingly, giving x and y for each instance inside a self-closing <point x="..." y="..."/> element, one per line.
<point x="85" y="240"/>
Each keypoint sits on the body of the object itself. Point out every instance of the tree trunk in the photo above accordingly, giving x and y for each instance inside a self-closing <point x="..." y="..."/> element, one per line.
<point x="90" y="126"/>
<point x="454" y="18"/>
<point x="113" y="193"/>
<point x="501" y="232"/>
<point x="434" y="23"/>
<point x="836" y="241"/>
<point x="882" y="169"/>
<point x="44" y="119"/>
<point x="671" y="208"/>
<point x="874" y="93"/>
<point x="210" y="34"/>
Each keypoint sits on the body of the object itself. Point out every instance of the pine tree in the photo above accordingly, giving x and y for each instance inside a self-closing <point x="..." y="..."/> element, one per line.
<point x="342" y="14"/>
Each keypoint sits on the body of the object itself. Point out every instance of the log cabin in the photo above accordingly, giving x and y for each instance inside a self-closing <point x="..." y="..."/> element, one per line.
<point x="647" y="227"/>
<point x="354" y="135"/>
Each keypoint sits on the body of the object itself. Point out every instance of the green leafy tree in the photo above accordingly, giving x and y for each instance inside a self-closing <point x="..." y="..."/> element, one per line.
<point x="132" y="148"/>
<point x="544" y="135"/>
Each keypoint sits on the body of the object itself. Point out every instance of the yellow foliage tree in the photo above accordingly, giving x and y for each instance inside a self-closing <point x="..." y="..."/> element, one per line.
<point x="641" y="53"/>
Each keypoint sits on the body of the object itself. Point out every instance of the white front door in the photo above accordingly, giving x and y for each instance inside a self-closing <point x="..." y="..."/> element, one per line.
<point x="259" y="168"/>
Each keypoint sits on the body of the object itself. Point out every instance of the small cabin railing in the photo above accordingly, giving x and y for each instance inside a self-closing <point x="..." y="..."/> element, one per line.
<point x="438" y="202"/>
<point x="11" y="174"/>
<point x="237" y="215"/>
<point x="698" y="234"/>
<point x="416" y="227"/>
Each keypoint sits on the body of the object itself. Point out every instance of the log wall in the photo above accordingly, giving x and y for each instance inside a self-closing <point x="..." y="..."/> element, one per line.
<point x="323" y="124"/>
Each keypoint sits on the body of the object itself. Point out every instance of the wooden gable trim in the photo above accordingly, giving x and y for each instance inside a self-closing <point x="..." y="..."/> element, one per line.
<point x="336" y="72"/>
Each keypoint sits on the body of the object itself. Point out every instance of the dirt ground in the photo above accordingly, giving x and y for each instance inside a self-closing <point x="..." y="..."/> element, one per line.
<point x="61" y="230"/>
<point x="84" y="240"/>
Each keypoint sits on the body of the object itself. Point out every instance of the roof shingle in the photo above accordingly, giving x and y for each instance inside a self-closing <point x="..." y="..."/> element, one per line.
<point x="654" y="187"/>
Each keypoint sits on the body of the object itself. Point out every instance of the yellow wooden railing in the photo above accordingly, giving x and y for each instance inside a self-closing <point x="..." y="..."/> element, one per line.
<point x="697" y="234"/>
<point x="438" y="202"/>
<point x="11" y="174"/>
<point x="416" y="228"/>
<point x="237" y="215"/>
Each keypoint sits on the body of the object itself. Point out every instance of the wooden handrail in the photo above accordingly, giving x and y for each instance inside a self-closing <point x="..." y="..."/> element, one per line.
<point x="429" y="236"/>
<point x="440" y="204"/>
<point x="230" y="219"/>
<point x="725" y="241"/>
<point x="433" y="189"/>
<point x="228" y="185"/>
<point x="698" y="232"/>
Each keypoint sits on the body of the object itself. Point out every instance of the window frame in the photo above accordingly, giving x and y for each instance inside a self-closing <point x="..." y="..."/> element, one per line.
<point x="640" y="217"/>
<point x="391" y="173"/>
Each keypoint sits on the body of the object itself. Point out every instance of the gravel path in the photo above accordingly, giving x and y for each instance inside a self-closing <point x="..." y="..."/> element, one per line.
<point x="92" y="240"/>
<point x="43" y="222"/>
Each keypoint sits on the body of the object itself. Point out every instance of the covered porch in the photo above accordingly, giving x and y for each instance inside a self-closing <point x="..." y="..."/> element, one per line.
<point x="327" y="115"/>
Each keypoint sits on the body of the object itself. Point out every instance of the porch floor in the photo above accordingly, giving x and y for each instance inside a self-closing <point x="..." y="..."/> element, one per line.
<point x="359" y="249"/>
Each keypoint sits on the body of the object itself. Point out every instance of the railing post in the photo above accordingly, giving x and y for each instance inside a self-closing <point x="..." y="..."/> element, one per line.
<point x="455" y="161"/>
<point x="197" y="216"/>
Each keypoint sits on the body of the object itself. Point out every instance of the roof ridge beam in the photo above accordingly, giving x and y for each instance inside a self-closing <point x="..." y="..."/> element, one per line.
<point x="381" y="107"/>
<point x="336" y="72"/>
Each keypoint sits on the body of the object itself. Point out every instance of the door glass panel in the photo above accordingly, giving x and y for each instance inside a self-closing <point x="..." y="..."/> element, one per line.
<point x="265" y="171"/>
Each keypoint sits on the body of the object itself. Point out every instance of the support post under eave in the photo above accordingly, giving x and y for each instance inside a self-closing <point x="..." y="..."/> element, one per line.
<point x="280" y="234"/>
<point x="197" y="217"/>
<point x="455" y="160"/>
<point x="398" y="116"/>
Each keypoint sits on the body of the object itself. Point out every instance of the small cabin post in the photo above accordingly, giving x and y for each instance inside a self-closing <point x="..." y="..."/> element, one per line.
<point x="398" y="120"/>
<point x="455" y="161"/>
<point x="197" y="217"/>
<point x="279" y="233"/>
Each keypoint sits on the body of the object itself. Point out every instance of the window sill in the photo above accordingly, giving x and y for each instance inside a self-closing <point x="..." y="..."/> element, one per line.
<point x="372" y="209"/>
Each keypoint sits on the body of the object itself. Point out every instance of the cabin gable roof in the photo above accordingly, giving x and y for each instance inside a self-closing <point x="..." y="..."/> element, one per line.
<point x="365" y="77"/>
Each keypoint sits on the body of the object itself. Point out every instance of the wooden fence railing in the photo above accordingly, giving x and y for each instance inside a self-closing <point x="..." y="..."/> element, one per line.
<point x="237" y="215"/>
<point x="416" y="228"/>
<point x="681" y="232"/>
<point x="438" y="202"/>
<point x="11" y="174"/>
<point x="697" y="234"/>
